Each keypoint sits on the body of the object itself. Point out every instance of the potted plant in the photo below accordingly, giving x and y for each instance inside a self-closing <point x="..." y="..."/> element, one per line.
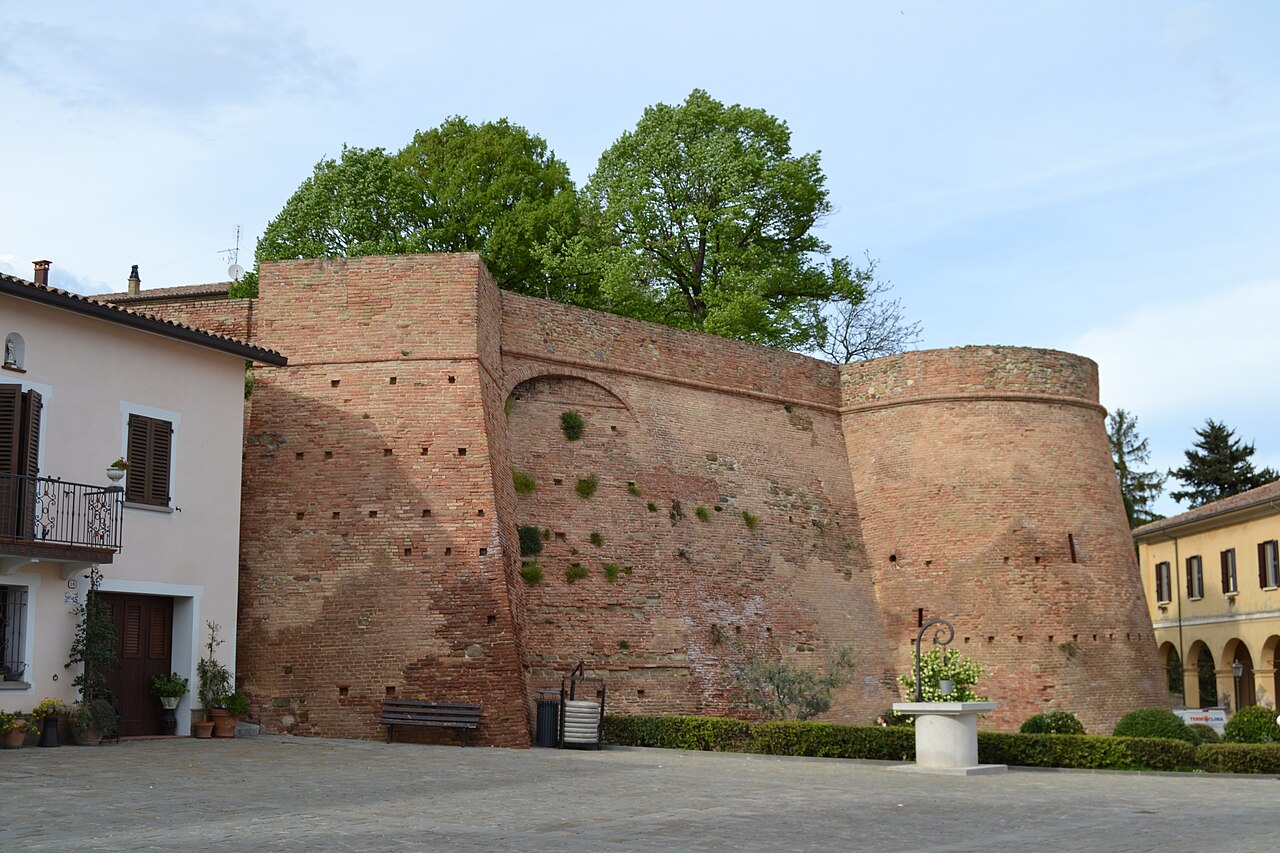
<point x="46" y="714"/>
<point x="214" y="684"/>
<point x="116" y="470"/>
<point x="234" y="706"/>
<point x="92" y="721"/>
<point x="169" y="689"/>
<point x="13" y="730"/>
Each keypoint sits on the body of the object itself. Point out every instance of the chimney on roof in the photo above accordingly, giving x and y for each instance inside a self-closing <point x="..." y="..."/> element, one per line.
<point x="42" y="271"/>
<point x="134" y="281"/>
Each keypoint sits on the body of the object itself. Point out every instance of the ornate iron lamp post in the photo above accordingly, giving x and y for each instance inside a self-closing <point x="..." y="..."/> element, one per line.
<point x="940" y="627"/>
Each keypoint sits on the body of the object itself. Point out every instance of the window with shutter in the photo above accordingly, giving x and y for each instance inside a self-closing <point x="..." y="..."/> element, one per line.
<point x="150" y="444"/>
<point x="1229" y="572"/>
<point x="20" y="458"/>
<point x="1269" y="564"/>
<point x="1195" y="577"/>
<point x="1164" y="588"/>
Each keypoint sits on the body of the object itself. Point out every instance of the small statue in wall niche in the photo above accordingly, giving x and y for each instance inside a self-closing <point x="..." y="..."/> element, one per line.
<point x="10" y="351"/>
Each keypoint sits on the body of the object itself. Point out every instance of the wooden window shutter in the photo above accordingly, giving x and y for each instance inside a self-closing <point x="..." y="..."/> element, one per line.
<point x="1262" y="565"/>
<point x="1226" y="572"/>
<point x="10" y="427"/>
<point x="158" y="627"/>
<point x="1191" y="588"/>
<point x="131" y="647"/>
<point x="29" y="448"/>
<point x="158" y="463"/>
<point x="150" y="443"/>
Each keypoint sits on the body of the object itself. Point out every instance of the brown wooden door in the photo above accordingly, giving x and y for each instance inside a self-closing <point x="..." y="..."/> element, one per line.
<point x="144" y="646"/>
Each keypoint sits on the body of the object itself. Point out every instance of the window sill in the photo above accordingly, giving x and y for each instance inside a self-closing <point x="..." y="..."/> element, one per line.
<point x="147" y="507"/>
<point x="13" y="367"/>
<point x="15" y="685"/>
<point x="1195" y="598"/>
<point x="1270" y="588"/>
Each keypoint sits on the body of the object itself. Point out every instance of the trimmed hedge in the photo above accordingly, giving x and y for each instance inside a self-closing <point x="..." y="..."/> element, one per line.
<point x="1086" y="751"/>
<point x="712" y="734"/>
<point x="896" y="743"/>
<point x="826" y="740"/>
<point x="1154" y="723"/>
<point x="1239" y="757"/>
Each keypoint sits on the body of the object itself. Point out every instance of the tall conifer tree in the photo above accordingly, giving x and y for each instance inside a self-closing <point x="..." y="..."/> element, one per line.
<point x="1218" y="466"/>
<point x="1128" y="449"/>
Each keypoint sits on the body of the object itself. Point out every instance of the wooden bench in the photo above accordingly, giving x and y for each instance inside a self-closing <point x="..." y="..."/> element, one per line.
<point x="439" y="715"/>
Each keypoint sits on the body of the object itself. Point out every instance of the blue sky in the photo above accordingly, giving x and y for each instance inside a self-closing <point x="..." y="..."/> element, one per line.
<point x="1099" y="177"/>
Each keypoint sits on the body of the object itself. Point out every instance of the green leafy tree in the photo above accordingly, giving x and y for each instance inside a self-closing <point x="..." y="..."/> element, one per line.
<point x="783" y="690"/>
<point x="1218" y="466"/>
<point x="962" y="670"/>
<point x="703" y="218"/>
<point x="1138" y="488"/>
<point x="491" y="188"/>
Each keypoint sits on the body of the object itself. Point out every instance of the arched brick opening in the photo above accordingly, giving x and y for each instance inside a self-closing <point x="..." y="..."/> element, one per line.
<point x="1270" y="652"/>
<point x="1205" y="678"/>
<point x="1171" y="663"/>
<point x="1243" y="693"/>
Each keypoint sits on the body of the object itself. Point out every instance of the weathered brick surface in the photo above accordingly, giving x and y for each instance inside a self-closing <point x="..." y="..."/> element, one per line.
<point x="969" y="467"/>
<point x="972" y="467"/>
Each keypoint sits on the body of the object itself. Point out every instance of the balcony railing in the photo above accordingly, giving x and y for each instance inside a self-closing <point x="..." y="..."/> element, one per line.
<point x="55" y="512"/>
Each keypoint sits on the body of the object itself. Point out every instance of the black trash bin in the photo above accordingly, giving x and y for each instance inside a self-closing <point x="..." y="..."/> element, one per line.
<point x="548" y="718"/>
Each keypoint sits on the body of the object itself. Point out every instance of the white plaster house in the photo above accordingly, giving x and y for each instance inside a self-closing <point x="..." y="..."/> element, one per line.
<point x="84" y="383"/>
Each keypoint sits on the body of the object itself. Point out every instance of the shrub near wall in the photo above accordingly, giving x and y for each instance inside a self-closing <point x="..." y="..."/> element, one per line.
<point x="1239" y="757"/>
<point x="713" y="734"/>
<point x="896" y="743"/>
<point x="1086" y="752"/>
<point x="824" y="740"/>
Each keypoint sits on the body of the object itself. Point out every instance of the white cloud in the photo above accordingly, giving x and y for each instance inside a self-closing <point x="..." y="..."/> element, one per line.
<point x="1211" y="351"/>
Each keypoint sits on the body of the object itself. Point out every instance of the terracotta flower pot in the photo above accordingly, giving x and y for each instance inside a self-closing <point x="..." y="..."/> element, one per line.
<point x="15" y="738"/>
<point x="202" y="729"/>
<point x="224" y="725"/>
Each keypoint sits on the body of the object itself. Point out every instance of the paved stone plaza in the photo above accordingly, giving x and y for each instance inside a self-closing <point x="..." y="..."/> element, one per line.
<point x="279" y="793"/>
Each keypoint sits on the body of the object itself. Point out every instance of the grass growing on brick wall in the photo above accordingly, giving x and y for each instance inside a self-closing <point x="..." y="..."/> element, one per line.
<point x="750" y="520"/>
<point x="571" y="425"/>
<point x="653" y="507"/>
<point x="702" y="513"/>
<point x="596" y="539"/>
<point x="531" y="572"/>
<point x="633" y="489"/>
<point x="587" y="486"/>
<point x="525" y="484"/>
<point x="530" y="540"/>
<point x="575" y="572"/>
<point x="611" y="571"/>
<point x="897" y="743"/>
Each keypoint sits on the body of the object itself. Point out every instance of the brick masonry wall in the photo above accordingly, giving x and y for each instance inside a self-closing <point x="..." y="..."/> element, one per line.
<point x="972" y="467"/>
<point x="373" y="545"/>
<point x="363" y="573"/>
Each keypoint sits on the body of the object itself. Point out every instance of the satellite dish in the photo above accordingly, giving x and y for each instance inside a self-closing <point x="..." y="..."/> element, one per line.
<point x="236" y="272"/>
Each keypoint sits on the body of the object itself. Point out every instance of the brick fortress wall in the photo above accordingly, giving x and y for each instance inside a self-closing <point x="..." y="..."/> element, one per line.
<point x="363" y="572"/>
<point x="988" y="497"/>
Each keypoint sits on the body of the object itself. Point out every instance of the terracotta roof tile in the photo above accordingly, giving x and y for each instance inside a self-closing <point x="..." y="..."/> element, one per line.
<point x="1261" y="495"/>
<point x="216" y="288"/>
<point x="106" y="310"/>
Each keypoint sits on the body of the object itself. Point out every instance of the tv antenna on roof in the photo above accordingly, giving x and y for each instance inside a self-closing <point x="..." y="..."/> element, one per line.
<point x="235" y="272"/>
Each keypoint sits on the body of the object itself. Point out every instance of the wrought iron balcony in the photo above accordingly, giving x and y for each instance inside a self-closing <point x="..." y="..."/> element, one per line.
<point x="39" y="512"/>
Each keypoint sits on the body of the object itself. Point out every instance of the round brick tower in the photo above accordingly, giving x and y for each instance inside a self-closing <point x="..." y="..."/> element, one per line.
<point x="988" y="497"/>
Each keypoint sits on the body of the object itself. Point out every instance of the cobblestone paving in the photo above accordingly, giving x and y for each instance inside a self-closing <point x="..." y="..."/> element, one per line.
<point x="277" y="793"/>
